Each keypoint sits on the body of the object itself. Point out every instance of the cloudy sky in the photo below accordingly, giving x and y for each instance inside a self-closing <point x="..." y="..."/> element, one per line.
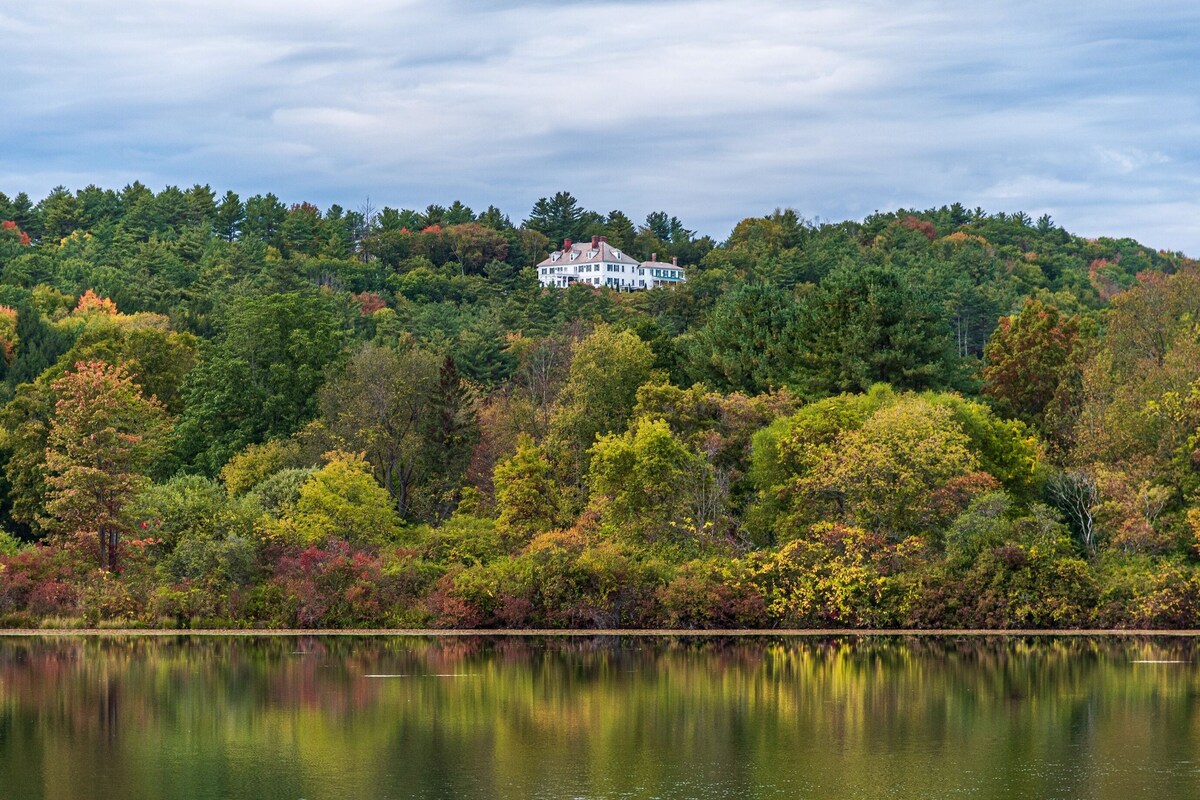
<point x="712" y="111"/>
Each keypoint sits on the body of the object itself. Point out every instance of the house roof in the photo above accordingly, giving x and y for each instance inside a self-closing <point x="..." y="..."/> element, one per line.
<point x="654" y="263"/>
<point x="598" y="250"/>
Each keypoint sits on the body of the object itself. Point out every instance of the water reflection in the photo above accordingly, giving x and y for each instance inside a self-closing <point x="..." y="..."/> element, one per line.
<point x="602" y="717"/>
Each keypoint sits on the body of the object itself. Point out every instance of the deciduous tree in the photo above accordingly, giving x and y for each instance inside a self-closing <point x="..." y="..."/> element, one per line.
<point x="103" y="438"/>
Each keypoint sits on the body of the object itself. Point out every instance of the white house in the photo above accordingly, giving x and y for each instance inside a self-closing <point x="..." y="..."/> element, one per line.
<point x="601" y="264"/>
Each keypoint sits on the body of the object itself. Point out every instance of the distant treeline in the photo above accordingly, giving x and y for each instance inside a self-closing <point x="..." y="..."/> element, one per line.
<point x="228" y="412"/>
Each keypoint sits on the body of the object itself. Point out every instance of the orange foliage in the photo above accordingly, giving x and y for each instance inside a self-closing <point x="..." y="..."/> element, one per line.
<point x="962" y="237"/>
<point x="90" y="302"/>
<point x="369" y="303"/>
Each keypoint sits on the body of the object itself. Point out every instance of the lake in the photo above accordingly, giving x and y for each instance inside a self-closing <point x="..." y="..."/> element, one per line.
<point x="598" y="717"/>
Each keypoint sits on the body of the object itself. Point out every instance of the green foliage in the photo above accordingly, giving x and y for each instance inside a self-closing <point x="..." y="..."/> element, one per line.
<point x="256" y="463"/>
<point x="868" y="325"/>
<point x="199" y="532"/>
<point x="411" y="418"/>
<point x="526" y="495"/>
<point x="890" y="474"/>
<point x="896" y="464"/>
<point x="260" y="378"/>
<point x="278" y="492"/>
<point x="461" y="539"/>
<point x="342" y="500"/>
<point x="647" y="478"/>
<point x="9" y="544"/>
<point x="748" y="342"/>
<point x="606" y="370"/>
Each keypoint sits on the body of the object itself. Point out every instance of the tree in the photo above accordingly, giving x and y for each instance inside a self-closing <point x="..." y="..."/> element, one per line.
<point x="103" y="438"/>
<point x="200" y="531"/>
<point x="1076" y="494"/>
<point x="451" y="433"/>
<point x="264" y="216"/>
<point x="260" y="378"/>
<point x="474" y="245"/>
<point x="382" y="404"/>
<point x="343" y="500"/>
<point x="526" y="495"/>
<point x="230" y="214"/>
<point x="61" y="213"/>
<point x="748" y="343"/>
<point x="866" y="325"/>
<point x="1031" y="360"/>
<point x="598" y="398"/>
<point x="559" y="217"/>
<point x="647" y="476"/>
<point x="887" y="475"/>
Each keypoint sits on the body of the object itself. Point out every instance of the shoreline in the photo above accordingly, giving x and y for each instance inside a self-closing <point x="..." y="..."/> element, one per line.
<point x="439" y="633"/>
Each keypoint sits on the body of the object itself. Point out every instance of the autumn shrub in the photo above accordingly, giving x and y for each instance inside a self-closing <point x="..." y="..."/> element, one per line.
<point x="334" y="586"/>
<point x="713" y="593"/>
<point x="456" y="602"/>
<point x="43" y="580"/>
<point x="409" y="575"/>
<point x="195" y="530"/>
<point x="1014" y="586"/>
<point x="189" y="604"/>
<point x="1138" y="591"/>
<point x="460" y="540"/>
<point x="106" y="598"/>
<point x="837" y="576"/>
<point x="562" y="579"/>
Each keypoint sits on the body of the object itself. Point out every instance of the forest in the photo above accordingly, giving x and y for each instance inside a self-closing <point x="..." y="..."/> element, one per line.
<point x="228" y="413"/>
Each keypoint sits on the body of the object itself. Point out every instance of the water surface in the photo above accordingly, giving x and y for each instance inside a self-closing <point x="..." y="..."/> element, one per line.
<point x="598" y="717"/>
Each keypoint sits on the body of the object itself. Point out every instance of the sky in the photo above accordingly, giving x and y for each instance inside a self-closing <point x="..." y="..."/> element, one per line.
<point x="711" y="111"/>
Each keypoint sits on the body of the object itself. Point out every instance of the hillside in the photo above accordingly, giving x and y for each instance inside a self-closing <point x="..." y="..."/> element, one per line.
<point x="220" y="412"/>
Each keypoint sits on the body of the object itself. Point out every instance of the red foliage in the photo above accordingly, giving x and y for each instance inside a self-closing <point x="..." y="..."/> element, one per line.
<point x="43" y="580"/>
<point x="451" y="610"/>
<point x="952" y="499"/>
<point x="334" y="586"/>
<point x="925" y="227"/>
<point x="22" y="236"/>
<point x="369" y="303"/>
